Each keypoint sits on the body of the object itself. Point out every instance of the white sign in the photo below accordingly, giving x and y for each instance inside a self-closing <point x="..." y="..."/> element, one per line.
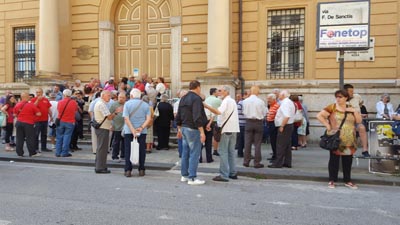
<point x="135" y="72"/>
<point x="357" y="56"/>
<point x="344" y="13"/>
<point x="343" y="25"/>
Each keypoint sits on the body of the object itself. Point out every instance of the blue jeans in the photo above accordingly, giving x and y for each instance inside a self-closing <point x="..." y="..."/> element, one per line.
<point x="226" y="150"/>
<point x="64" y="133"/>
<point x="191" y="148"/>
<point x="180" y="143"/>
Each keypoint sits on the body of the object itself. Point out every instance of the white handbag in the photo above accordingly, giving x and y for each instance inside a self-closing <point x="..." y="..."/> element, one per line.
<point x="134" y="151"/>
<point x="156" y="112"/>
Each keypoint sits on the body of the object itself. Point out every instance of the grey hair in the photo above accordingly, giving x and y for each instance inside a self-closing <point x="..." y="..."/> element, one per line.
<point x="272" y="95"/>
<point x="67" y="92"/>
<point x="105" y="92"/>
<point x="135" y="93"/>
<point x="276" y="90"/>
<point x="285" y="93"/>
<point x="164" y="98"/>
<point x="226" y="88"/>
<point x="385" y="95"/>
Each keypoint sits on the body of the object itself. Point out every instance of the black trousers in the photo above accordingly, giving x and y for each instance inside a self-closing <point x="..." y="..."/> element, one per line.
<point x="142" y="151"/>
<point x="26" y="132"/>
<point x="9" y="130"/>
<point x="284" y="147"/>
<point x="118" y="145"/>
<point x="333" y="167"/>
<point x="240" y="141"/>
<point x="208" y="143"/>
<point x="273" y="134"/>
<point x="78" y="132"/>
<point x="41" y="130"/>
<point x="163" y="133"/>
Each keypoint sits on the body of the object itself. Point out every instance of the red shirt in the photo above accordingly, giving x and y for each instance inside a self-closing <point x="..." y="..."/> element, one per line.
<point x="10" y="111"/>
<point x="139" y="86"/>
<point x="69" y="113"/>
<point x="273" y="109"/>
<point x="26" y="112"/>
<point x="44" y="106"/>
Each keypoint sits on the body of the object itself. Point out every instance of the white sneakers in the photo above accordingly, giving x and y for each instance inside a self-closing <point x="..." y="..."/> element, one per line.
<point x="194" y="181"/>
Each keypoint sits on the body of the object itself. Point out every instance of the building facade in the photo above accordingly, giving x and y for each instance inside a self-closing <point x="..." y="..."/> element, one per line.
<point x="266" y="42"/>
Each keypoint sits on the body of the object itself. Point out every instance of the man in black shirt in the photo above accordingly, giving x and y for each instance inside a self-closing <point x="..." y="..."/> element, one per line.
<point x="191" y="119"/>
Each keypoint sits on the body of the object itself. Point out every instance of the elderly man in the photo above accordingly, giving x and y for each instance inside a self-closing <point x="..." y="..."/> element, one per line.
<point x="190" y="120"/>
<point x="284" y="120"/>
<point x="273" y="130"/>
<point x="59" y="94"/>
<point x="228" y="119"/>
<point x="26" y="113"/>
<point x="117" y="125"/>
<point x="103" y="116"/>
<point x="254" y="110"/>
<point x="78" y="86"/>
<point x="137" y="117"/>
<point x="41" y="122"/>
<point x="66" y="114"/>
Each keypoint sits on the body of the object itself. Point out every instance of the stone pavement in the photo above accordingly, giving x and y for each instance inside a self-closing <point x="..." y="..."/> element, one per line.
<point x="308" y="164"/>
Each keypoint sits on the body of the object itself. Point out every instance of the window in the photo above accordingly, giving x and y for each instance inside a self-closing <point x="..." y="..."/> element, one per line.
<point x="285" y="44"/>
<point x="24" y="53"/>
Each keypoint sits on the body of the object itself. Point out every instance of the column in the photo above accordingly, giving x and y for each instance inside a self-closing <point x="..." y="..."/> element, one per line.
<point x="176" y="30"/>
<point x="218" y="57"/>
<point x="49" y="48"/>
<point x="106" y="50"/>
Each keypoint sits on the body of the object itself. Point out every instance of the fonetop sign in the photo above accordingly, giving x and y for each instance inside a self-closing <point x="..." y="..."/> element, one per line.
<point x="343" y="25"/>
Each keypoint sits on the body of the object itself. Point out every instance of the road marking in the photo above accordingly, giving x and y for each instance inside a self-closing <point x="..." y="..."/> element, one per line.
<point x="46" y="167"/>
<point x="5" y="222"/>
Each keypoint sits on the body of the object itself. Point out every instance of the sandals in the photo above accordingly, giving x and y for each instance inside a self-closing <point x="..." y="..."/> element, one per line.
<point x="351" y="185"/>
<point x="331" y="185"/>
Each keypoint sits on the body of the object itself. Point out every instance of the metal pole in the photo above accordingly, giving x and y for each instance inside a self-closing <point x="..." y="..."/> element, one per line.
<point x="341" y="69"/>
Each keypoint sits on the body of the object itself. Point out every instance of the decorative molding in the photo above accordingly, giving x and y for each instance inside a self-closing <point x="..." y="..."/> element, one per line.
<point x="175" y="21"/>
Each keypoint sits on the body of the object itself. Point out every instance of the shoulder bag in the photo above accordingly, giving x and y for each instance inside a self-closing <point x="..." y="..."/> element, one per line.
<point x="332" y="142"/>
<point x="218" y="130"/>
<point x="130" y="115"/>
<point x="57" y="122"/>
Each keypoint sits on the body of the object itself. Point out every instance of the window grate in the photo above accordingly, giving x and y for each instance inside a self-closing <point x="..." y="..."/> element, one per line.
<point x="285" y="44"/>
<point x="24" y="53"/>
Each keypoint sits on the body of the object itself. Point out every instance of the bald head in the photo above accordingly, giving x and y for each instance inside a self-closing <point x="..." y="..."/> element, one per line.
<point x="255" y="90"/>
<point x="24" y="96"/>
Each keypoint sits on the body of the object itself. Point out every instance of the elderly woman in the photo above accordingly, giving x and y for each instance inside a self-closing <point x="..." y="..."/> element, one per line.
<point x="163" y="123"/>
<point x="384" y="109"/>
<point x="331" y="117"/>
<point x="149" y="136"/>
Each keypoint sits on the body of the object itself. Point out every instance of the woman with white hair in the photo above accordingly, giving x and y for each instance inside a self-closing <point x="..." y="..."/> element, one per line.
<point x="384" y="109"/>
<point x="163" y="123"/>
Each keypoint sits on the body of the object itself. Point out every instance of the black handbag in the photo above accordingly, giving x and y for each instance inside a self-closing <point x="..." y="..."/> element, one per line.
<point x="97" y="125"/>
<point x="57" y="121"/>
<point x="332" y="142"/>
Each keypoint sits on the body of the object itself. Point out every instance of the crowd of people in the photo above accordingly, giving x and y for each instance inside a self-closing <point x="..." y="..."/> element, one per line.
<point x="138" y="108"/>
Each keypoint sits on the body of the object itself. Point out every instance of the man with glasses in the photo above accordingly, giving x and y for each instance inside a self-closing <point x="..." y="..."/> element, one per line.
<point x="42" y="122"/>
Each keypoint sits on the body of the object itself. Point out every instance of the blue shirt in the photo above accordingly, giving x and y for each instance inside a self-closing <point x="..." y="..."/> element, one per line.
<point x="59" y="96"/>
<point x="139" y="117"/>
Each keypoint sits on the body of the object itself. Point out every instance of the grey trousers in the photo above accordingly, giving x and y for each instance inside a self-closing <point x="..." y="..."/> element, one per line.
<point x="284" y="147"/>
<point x="103" y="136"/>
<point x="253" y="135"/>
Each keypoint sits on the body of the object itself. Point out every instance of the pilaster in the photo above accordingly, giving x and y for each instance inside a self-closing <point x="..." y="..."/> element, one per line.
<point x="106" y="50"/>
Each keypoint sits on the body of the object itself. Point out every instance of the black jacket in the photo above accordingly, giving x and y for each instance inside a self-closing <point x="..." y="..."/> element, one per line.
<point x="191" y="111"/>
<point x="166" y="114"/>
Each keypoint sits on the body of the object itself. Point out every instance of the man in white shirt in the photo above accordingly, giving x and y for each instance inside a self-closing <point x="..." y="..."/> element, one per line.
<point x="228" y="115"/>
<point x="254" y="109"/>
<point x="284" y="120"/>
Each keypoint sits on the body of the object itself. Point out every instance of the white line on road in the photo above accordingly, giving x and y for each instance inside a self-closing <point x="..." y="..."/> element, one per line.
<point x="5" y="222"/>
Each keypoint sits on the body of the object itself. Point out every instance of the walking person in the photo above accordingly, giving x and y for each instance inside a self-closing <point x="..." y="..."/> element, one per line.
<point x="66" y="114"/>
<point x="190" y="120"/>
<point x="137" y="117"/>
<point x="103" y="116"/>
<point x="284" y="120"/>
<point x="228" y="119"/>
<point x="8" y="110"/>
<point x="42" y="122"/>
<point x="255" y="111"/>
<point x="331" y="117"/>
<point x="26" y="114"/>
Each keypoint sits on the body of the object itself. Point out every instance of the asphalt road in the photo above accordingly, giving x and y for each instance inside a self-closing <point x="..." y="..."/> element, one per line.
<point x="50" y="194"/>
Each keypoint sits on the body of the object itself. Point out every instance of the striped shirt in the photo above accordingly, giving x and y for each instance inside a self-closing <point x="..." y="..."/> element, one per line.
<point x="242" y="118"/>
<point x="273" y="109"/>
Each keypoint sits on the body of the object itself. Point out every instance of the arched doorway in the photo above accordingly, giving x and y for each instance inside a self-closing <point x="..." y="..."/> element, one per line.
<point x="143" y="38"/>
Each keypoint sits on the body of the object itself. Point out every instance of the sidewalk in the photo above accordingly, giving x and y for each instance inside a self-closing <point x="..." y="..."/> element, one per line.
<point x="308" y="164"/>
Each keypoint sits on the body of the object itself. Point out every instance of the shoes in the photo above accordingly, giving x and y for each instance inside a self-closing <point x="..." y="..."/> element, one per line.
<point x="252" y="157"/>
<point x="184" y="179"/>
<point x="271" y="158"/>
<point x="116" y="160"/>
<point x="68" y="155"/>
<point x="148" y="151"/>
<point x="200" y="161"/>
<point x="246" y="165"/>
<point x="128" y="173"/>
<point x="8" y="148"/>
<point x="47" y="150"/>
<point x="36" y="155"/>
<point x="141" y="173"/>
<point x="304" y="146"/>
<point x="12" y="144"/>
<point x="287" y="166"/>
<point x="259" y="166"/>
<point x="210" y="161"/>
<point x="234" y="177"/>
<point x="274" y="166"/>
<point x="220" y="179"/>
<point x="196" y="181"/>
<point x="351" y="185"/>
<point x="39" y="151"/>
<point x="240" y="155"/>
<point x="331" y="185"/>
<point x="216" y="153"/>
<point x="366" y="154"/>
<point x="102" y="171"/>
<point x="294" y="148"/>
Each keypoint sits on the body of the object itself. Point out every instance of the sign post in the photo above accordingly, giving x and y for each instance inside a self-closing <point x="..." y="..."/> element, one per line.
<point x="343" y="26"/>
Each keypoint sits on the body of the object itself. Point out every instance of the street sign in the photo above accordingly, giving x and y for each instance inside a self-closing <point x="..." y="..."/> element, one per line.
<point x="135" y="72"/>
<point x="343" y="25"/>
<point x="361" y="55"/>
